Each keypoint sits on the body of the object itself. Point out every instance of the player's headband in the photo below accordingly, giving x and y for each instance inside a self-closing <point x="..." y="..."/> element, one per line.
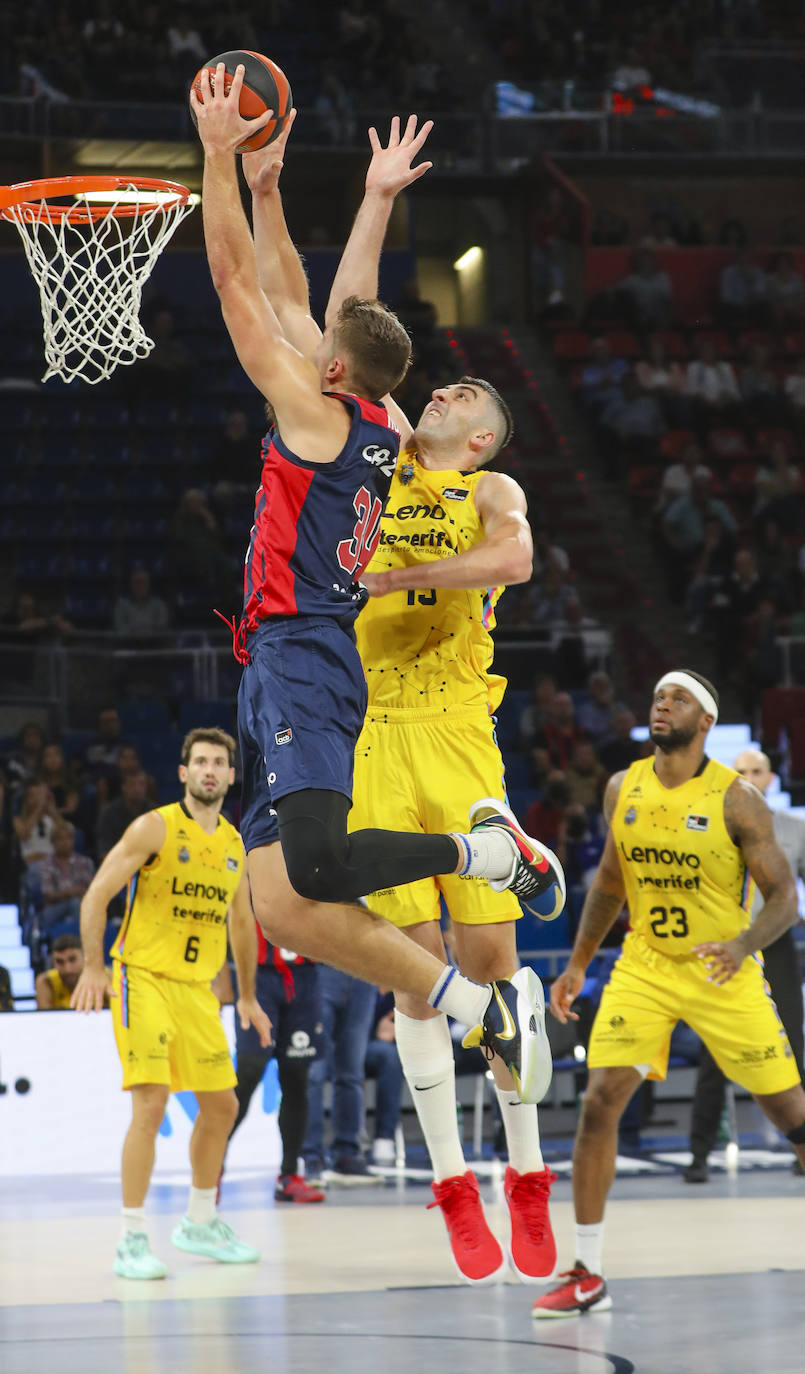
<point x="697" y="689"/>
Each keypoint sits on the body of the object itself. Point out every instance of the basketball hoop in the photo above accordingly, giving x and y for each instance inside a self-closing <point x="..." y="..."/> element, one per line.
<point x="91" y="242"/>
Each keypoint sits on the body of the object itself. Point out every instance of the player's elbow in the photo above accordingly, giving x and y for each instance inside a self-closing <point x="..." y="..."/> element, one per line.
<point x="519" y="562"/>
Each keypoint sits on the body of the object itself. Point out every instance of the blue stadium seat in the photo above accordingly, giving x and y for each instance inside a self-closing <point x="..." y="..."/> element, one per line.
<point x="91" y="610"/>
<point x="203" y="713"/>
<point x="139" y="716"/>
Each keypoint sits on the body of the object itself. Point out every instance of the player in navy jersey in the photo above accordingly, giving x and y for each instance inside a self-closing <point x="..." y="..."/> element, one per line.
<point x="289" y="995"/>
<point x="327" y="465"/>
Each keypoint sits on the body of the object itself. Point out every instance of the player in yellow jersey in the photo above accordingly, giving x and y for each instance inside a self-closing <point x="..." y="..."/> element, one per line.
<point x="688" y="839"/>
<point x="184" y="868"/>
<point x="56" y="985"/>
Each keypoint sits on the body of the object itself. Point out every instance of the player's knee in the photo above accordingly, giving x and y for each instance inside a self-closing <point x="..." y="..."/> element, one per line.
<point x="148" y="1103"/>
<point x="316" y="869"/>
<point x="602" y="1104"/>
<point x="219" y="1109"/>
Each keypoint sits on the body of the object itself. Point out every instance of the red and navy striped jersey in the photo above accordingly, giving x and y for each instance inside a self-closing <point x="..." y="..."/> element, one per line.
<point x="316" y="525"/>
<point x="280" y="959"/>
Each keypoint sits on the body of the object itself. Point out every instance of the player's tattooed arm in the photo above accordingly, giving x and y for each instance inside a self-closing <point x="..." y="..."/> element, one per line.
<point x="749" y="823"/>
<point x="602" y="905"/>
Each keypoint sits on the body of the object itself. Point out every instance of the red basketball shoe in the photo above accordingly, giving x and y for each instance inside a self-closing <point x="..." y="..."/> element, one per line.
<point x="532" y="1248"/>
<point x="476" y="1254"/>
<point x="292" y="1188"/>
<point x="580" y="1292"/>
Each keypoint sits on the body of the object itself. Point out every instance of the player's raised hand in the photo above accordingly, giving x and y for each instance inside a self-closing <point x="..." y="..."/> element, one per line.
<point x="564" y="991"/>
<point x="390" y="169"/>
<point x="93" y="986"/>
<point x="262" y="167"/>
<point x="252" y="1014"/>
<point x="221" y="127"/>
<point x="722" y="957"/>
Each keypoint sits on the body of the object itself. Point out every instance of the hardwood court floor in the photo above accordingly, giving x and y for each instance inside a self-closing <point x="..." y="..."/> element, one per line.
<point x="705" y="1280"/>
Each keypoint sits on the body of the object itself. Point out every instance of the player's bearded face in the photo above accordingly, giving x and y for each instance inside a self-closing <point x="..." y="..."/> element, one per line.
<point x="672" y="737"/>
<point x="207" y="790"/>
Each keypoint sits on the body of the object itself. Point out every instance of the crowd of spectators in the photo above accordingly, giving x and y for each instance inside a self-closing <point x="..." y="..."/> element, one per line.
<point x="707" y="431"/>
<point x="61" y="813"/>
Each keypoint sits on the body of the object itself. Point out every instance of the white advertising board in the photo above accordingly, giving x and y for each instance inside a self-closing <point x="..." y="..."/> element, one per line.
<point x="62" y="1110"/>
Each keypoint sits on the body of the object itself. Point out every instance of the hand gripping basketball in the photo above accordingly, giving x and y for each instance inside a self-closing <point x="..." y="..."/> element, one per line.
<point x="263" y="90"/>
<point x="221" y="126"/>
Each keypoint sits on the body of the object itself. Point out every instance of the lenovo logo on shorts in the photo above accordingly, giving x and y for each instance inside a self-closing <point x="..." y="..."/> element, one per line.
<point x="283" y="736"/>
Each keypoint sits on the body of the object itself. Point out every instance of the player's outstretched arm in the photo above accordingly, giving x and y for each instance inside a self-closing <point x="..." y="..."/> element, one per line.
<point x="279" y="267"/>
<point x="144" y="837"/>
<point x="749" y="823"/>
<point x="504" y="555"/>
<point x="290" y="382"/>
<point x="602" y="904"/>
<point x="243" y="939"/>
<point x="390" y="171"/>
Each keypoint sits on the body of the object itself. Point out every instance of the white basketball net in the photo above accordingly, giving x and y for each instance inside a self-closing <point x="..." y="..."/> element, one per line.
<point x="91" y="274"/>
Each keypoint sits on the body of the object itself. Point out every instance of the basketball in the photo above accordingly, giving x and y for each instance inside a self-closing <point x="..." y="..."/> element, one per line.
<point x="265" y="87"/>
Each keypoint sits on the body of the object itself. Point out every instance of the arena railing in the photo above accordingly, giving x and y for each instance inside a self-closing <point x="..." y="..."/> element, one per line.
<point x="465" y="143"/>
<point x="72" y="681"/>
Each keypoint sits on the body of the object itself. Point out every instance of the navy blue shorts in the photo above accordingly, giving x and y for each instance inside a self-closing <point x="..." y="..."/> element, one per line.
<point x="295" y="1021"/>
<point x="301" y="705"/>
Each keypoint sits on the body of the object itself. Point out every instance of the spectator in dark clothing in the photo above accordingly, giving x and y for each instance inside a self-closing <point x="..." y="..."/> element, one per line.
<point x="561" y="732"/>
<point x="601" y="377"/>
<point x="383" y="1065"/>
<point x="786" y="292"/>
<point x="743" y="300"/>
<point x="760" y="390"/>
<point x="619" y="751"/>
<point x="779" y="489"/>
<point x="686" y="521"/>
<point x="645" y="293"/>
<point x="116" y="816"/>
<point x="54" y="773"/>
<point x="23" y="764"/>
<point x="26" y="623"/>
<point x="534" y="717"/>
<point x="9" y="862"/>
<point x="545" y="817"/>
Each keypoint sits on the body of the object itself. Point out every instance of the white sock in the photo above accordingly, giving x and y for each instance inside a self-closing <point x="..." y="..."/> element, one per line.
<point x="426" y="1055"/>
<point x="201" y="1205"/>
<point x="132" y="1219"/>
<point x="488" y="853"/>
<point x="590" y="1246"/>
<point x="460" y="998"/>
<point x="522" y="1132"/>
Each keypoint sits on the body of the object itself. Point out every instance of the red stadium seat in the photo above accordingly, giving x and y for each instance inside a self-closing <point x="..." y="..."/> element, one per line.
<point x="780" y="706"/>
<point x="796" y="744"/>
<point x="725" y="441"/>
<point x="794" y="344"/>
<point x="741" y="478"/>
<point x="674" y="440"/>
<point x="624" y="344"/>
<point x="777" y="434"/>
<point x="675" y="344"/>
<point x="571" y="346"/>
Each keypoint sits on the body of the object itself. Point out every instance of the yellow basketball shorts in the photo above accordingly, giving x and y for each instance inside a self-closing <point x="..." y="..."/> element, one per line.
<point x="169" y="1032"/>
<point x="421" y="771"/>
<point x="740" y="1025"/>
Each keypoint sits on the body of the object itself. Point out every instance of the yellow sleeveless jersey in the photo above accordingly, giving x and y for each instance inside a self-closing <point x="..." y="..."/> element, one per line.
<point x="686" y="881"/>
<point x="428" y="649"/>
<point x="61" y="994"/>
<point x="175" y="922"/>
